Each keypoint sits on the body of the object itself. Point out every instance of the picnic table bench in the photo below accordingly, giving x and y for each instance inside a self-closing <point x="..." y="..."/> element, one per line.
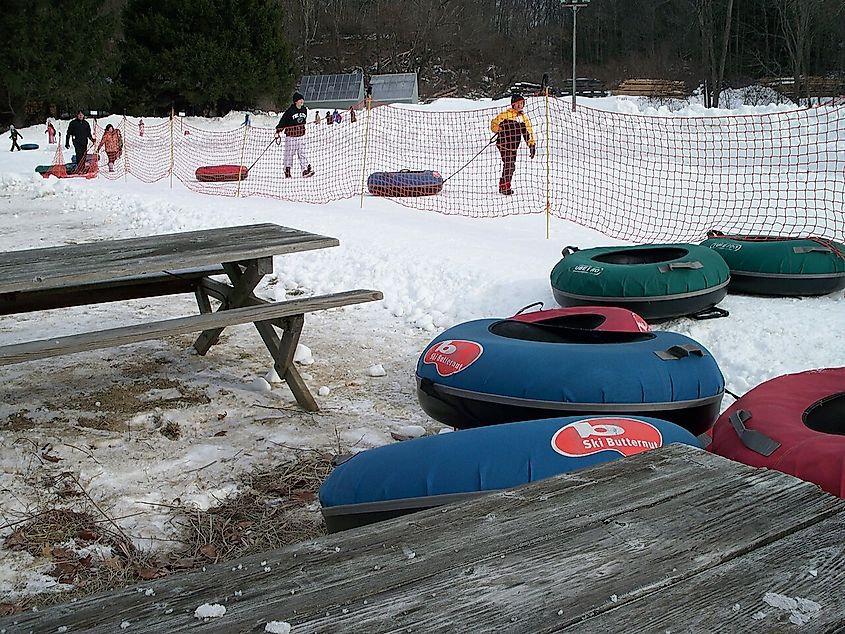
<point x="670" y="540"/>
<point x="115" y="270"/>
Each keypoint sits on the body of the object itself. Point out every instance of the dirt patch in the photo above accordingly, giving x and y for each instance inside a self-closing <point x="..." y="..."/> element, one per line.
<point x="115" y="405"/>
<point x="19" y="421"/>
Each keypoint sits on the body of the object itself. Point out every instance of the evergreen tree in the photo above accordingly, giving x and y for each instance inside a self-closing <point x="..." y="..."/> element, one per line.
<point x="208" y="56"/>
<point x="55" y="54"/>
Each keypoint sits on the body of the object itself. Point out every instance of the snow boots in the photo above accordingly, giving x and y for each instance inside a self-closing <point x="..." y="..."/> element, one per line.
<point x="308" y="171"/>
<point x="287" y="172"/>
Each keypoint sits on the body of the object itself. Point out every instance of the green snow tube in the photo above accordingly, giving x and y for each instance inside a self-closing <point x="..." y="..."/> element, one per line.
<point x="656" y="281"/>
<point x="781" y="266"/>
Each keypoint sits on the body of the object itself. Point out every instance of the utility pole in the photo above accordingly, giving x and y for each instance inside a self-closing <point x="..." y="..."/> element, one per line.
<point x="574" y="5"/>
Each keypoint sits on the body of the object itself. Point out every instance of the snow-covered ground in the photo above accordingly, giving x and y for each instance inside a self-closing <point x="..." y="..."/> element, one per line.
<point x="100" y="413"/>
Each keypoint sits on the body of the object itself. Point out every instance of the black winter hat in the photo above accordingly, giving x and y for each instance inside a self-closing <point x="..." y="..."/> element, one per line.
<point x="516" y="97"/>
<point x="297" y="96"/>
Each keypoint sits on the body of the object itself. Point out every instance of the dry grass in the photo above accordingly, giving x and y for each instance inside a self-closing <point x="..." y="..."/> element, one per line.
<point x="60" y="534"/>
<point x="275" y="508"/>
<point x="270" y="512"/>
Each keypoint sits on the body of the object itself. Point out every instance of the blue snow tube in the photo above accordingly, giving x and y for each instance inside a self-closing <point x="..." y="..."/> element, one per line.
<point x="396" y="479"/>
<point x="492" y="371"/>
<point x="405" y="183"/>
<point x="29" y="146"/>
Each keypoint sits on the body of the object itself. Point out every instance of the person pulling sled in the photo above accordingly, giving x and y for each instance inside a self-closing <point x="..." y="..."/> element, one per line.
<point x="511" y="126"/>
<point x="293" y="124"/>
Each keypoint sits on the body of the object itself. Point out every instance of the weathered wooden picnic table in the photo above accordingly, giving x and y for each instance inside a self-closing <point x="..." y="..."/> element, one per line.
<point x="671" y="540"/>
<point x="114" y="270"/>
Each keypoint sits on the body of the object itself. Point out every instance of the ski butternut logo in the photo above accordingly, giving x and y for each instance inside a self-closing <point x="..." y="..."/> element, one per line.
<point x="589" y="436"/>
<point x="453" y="356"/>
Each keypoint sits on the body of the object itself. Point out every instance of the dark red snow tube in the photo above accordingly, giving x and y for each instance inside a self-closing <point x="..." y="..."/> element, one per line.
<point x="221" y="173"/>
<point x="606" y="318"/>
<point x="794" y="424"/>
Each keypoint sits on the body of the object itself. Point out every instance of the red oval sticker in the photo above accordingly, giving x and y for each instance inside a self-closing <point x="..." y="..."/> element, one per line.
<point x="452" y="356"/>
<point x="589" y="436"/>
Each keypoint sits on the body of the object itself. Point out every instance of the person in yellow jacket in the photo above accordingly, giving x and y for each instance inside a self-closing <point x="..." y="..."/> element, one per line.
<point x="512" y="126"/>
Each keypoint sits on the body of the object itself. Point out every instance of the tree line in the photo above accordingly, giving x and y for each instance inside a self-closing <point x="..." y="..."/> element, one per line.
<point x="209" y="56"/>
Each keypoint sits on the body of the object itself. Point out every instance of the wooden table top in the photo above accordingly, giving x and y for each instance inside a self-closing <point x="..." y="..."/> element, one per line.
<point x="671" y="540"/>
<point x="70" y="265"/>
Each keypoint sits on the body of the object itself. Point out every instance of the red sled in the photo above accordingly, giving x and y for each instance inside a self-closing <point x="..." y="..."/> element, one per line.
<point x="606" y="318"/>
<point x="793" y="424"/>
<point x="405" y="183"/>
<point x="221" y="173"/>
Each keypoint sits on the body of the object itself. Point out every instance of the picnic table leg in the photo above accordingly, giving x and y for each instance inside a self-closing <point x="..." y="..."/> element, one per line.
<point x="243" y="285"/>
<point x="283" y="351"/>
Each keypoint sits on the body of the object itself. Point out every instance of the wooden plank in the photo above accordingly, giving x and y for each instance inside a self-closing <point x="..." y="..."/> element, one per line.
<point x="115" y="289"/>
<point x="540" y="558"/>
<point x="806" y="564"/>
<point x="70" y="265"/>
<point x="17" y="353"/>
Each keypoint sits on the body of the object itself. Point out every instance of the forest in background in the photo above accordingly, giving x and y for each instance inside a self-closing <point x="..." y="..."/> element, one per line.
<point x="210" y="56"/>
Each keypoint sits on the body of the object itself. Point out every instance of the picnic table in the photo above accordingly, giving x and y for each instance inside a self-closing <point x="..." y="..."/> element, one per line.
<point x="671" y="540"/>
<point x="151" y="266"/>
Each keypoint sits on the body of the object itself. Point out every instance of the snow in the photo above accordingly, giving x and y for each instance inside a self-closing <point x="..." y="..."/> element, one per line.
<point x="800" y="610"/>
<point x="360" y="359"/>
<point x="278" y="627"/>
<point x="210" y="611"/>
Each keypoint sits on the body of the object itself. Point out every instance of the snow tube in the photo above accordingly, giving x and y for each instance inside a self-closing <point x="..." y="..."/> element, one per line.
<point x="405" y="183"/>
<point x="588" y="318"/>
<point x="221" y="173"/>
<point x="29" y="146"/>
<point x="657" y="281"/>
<point x="793" y="423"/>
<point x="781" y="267"/>
<point x="66" y="170"/>
<point x="423" y="473"/>
<point x="493" y="371"/>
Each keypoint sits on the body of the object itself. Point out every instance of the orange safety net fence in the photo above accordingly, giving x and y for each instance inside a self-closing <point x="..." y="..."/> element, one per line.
<point x="639" y="178"/>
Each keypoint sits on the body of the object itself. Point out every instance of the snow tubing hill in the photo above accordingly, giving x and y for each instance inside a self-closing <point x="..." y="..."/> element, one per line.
<point x="658" y="282"/>
<point x="221" y="173"/>
<point x="493" y="371"/>
<point x="781" y="267"/>
<point x="29" y="146"/>
<point x="423" y="473"/>
<point x="587" y="318"/>
<point x="794" y="424"/>
<point x="405" y="183"/>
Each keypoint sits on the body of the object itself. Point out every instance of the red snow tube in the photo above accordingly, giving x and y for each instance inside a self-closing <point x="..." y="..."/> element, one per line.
<point x="794" y="424"/>
<point x="221" y="173"/>
<point x="606" y="318"/>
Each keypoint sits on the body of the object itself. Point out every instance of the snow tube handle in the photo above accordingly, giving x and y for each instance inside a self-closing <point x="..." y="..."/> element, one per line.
<point x="569" y="250"/>
<point x="524" y="308"/>
<point x="814" y="249"/>
<point x="672" y="266"/>
<point x="679" y="352"/>
<point x="756" y="441"/>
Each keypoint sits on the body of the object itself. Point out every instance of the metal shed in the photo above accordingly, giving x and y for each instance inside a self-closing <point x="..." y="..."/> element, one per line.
<point x="395" y="88"/>
<point x="332" y="91"/>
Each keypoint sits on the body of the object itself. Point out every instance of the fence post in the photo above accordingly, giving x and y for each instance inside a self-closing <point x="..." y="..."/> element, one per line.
<point x="241" y="163"/>
<point x="548" y="168"/>
<point x="369" y="102"/>
<point x="171" y="146"/>
<point x="125" y="149"/>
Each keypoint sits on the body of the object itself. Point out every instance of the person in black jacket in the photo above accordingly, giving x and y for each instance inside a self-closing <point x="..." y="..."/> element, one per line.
<point x="293" y="123"/>
<point x="14" y="135"/>
<point x="80" y="130"/>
